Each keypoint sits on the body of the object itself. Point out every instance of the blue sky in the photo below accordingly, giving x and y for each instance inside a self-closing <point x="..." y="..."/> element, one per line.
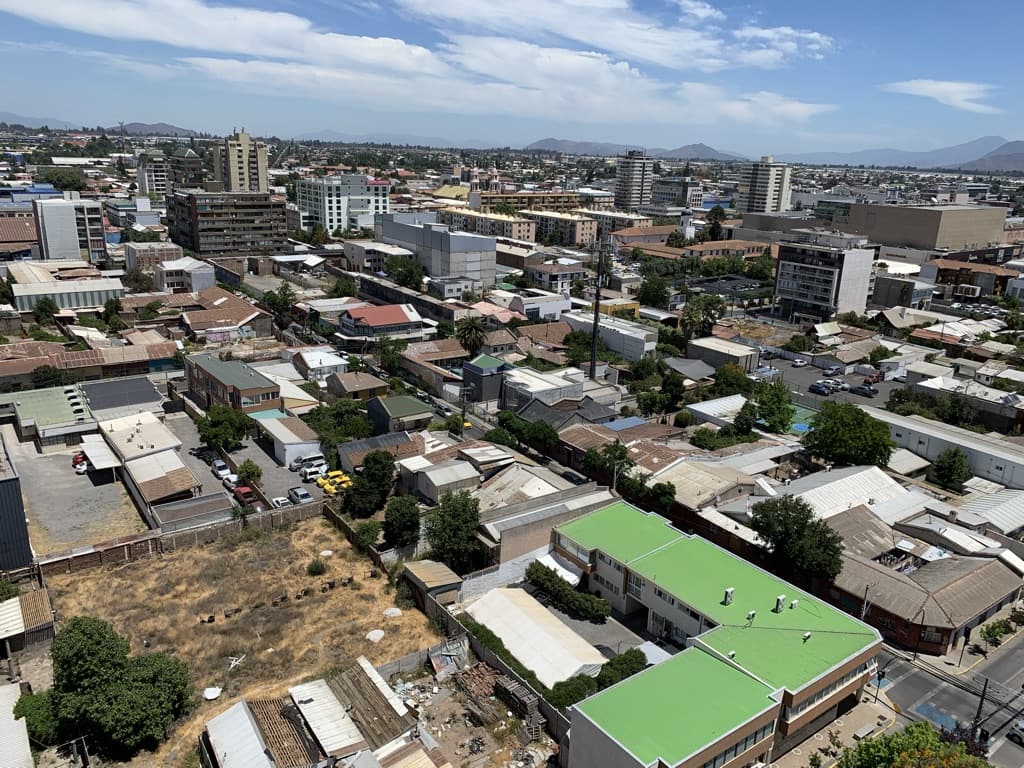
<point x="782" y="76"/>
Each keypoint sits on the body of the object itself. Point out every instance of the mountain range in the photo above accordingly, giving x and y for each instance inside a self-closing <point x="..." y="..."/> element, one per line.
<point x="402" y="139"/>
<point x="943" y="157"/>
<point x="151" y="129"/>
<point x="604" y="149"/>
<point x="34" y="122"/>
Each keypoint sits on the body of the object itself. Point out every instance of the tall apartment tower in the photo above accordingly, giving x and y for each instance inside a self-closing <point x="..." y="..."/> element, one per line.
<point x="764" y="187"/>
<point x="70" y="230"/>
<point x="154" y="173"/>
<point x="343" y="201"/>
<point x="634" y="179"/>
<point x="241" y="164"/>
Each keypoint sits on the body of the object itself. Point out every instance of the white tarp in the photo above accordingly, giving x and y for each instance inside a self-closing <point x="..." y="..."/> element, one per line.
<point x="535" y="636"/>
<point x="567" y="571"/>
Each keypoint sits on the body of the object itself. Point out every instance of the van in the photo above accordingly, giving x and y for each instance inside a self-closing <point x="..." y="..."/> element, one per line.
<point x="313" y="471"/>
<point x="313" y="458"/>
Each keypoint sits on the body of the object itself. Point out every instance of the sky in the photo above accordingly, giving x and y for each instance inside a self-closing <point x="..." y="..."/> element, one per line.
<point x="748" y="77"/>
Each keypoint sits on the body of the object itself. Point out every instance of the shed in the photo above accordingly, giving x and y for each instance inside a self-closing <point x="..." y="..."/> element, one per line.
<point x="293" y="438"/>
<point x="446" y="477"/>
<point x="233" y="740"/>
<point x="98" y="452"/>
<point x="429" y="577"/>
<point x="12" y="624"/>
<point x="14" y="744"/>
<point x="335" y="731"/>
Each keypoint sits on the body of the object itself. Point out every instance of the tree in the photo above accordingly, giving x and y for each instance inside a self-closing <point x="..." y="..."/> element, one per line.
<point x="451" y="531"/>
<point x="622" y="666"/>
<point x="344" y="286"/>
<point x="951" y="468"/>
<point x="730" y="379"/>
<point x="654" y="292"/>
<point x="662" y="495"/>
<point x="280" y="301"/>
<point x="111" y="309"/>
<point x="64" y="179"/>
<point x="745" y="419"/>
<point x="454" y="424"/>
<point x="501" y="436"/>
<point x="775" y="406"/>
<point x="799" y="544"/>
<point x="367" y="533"/>
<point x="407" y="272"/>
<point x="762" y="267"/>
<point x="137" y="281"/>
<point x="915" y="744"/>
<point x="402" y="521"/>
<point x="699" y="315"/>
<point x="842" y="433"/>
<point x="505" y="209"/>
<point x="48" y="376"/>
<point x="471" y="333"/>
<point x="45" y="310"/>
<point x="223" y="427"/>
<point x="610" y="461"/>
<point x="651" y="402"/>
<point x="445" y="330"/>
<point x="389" y="352"/>
<point x="714" y="219"/>
<point x="8" y="590"/>
<point x="249" y="472"/>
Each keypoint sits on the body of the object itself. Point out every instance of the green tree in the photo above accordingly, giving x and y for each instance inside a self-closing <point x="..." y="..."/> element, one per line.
<point x="8" y="590"/>
<point x="454" y="424"/>
<point x="40" y="717"/>
<point x="699" y="315"/>
<point x="402" y="521"/>
<point x="367" y="533"/>
<point x="842" y="433"/>
<point x="762" y="267"/>
<point x="344" y="286"/>
<point x="714" y="219"/>
<point x="407" y="272"/>
<point x="730" y="379"/>
<point x="799" y="544"/>
<point x="887" y="749"/>
<point x="501" y="436"/>
<point x="389" y="352"/>
<point x="654" y="292"/>
<point x="951" y="469"/>
<point x="371" y="488"/>
<point x="775" y="406"/>
<point x="745" y="419"/>
<point x="280" y="301"/>
<point x="609" y="461"/>
<point x="137" y="281"/>
<point x="45" y="310"/>
<point x="505" y="209"/>
<point x="651" y="402"/>
<point x="445" y="330"/>
<point x="249" y="472"/>
<point x="64" y="179"/>
<point x="48" y="376"/>
<point x="622" y="666"/>
<point x="879" y="353"/>
<point x="662" y="496"/>
<point x="451" y="531"/>
<point x="471" y="334"/>
<point x="111" y="309"/>
<point x="798" y="343"/>
<point x="223" y="427"/>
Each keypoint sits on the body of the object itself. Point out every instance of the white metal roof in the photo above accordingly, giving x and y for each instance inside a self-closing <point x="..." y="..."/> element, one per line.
<point x="15" y="750"/>
<point x="236" y="740"/>
<point x="1012" y="560"/>
<point x="830" y="493"/>
<point x="906" y="462"/>
<point x="1005" y="509"/>
<point x="535" y="636"/>
<point x="723" y="345"/>
<point x="11" y="621"/>
<point x="336" y="732"/>
<point x="451" y="472"/>
<point x="98" y="452"/>
<point x="566" y="570"/>
<point x="722" y="406"/>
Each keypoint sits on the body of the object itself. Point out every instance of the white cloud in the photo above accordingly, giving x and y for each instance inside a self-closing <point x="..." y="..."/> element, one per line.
<point x="507" y="72"/>
<point x="952" y="93"/>
<point x="699" y="10"/>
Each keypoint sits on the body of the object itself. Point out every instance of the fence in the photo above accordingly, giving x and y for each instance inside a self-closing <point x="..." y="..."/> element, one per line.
<point x="335" y="518"/>
<point x="410" y="663"/>
<point x="121" y="550"/>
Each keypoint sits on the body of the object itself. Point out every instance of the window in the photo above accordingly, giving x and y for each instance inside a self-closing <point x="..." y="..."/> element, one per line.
<point x="634" y="585"/>
<point x="665" y="596"/>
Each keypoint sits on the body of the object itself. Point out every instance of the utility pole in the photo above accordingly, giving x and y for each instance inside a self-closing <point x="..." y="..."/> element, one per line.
<point x="981" y="705"/>
<point x="604" y="250"/>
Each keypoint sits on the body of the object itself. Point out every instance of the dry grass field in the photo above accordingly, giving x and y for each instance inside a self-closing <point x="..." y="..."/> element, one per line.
<point x="162" y="601"/>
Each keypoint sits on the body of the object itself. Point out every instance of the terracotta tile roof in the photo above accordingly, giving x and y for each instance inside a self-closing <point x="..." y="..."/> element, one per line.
<point x="24" y="349"/>
<point x="586" y="436"/>
<point x="732" y="245"/>
<point x="553" y="333"/>
<point x="172" y="300"/>
<point x="390" y="314"/>
<point x="18" y="230"/>
<point x="21" y="365"/>
<point x="357" y="381"/>
<point x="665" y="230"/>
<point x="439" y="349"/>
<point x="659" y="249"/>
<point x="500" y="336"/>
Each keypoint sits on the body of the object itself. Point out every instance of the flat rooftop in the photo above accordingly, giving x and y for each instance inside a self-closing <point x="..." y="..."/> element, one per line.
<point x="622" y="531"/>
<point x="48" y="407"/>
<point x="645" y="712"/>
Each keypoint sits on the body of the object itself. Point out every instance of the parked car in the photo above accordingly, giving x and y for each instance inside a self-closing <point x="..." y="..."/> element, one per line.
<point x="817" y="388"/>
<point x="82" y="467"/>
<point x="1016" y="733"/>
<point x="313" y="471"/>
<point x="833" y="370"/>
<point x="864" y="390"/>
<point x="573" y="478"/>
<point x="467" y="424"/>
<point x="246" y="495"/>
<point x="279" y="502"/>
<point x="901" y="379"/>
<point x="299" y="495"/>
<point x="312" y="458"/>
<point x="220" y="469"/>
<point x="230" y="481"/>
<point x="837" y="384"/>
<point x="799" y="362"/>
<point x="77" y="459"/>
<point x="331" y="477"/>
<point x="444" y="410"/>
<point x="873" y="378"/>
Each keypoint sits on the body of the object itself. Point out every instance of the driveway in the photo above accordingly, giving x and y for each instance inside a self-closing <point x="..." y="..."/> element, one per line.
<point x="276" y="479"/>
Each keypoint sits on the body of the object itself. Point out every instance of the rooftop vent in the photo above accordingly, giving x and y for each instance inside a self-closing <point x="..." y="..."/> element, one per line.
<point x="732" y="654"/>
<point x="751" y="615"/>
<point x="794" y="603"/>
<point x="807" y="636"/>
<point x="728" y="596"/>
<point x="780" y="603"/>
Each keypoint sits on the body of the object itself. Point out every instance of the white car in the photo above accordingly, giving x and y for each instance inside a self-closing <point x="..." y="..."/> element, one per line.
<point x="313" y="471"/>
<point x="230" y="481"/>
<point x="799" y="362"/>
<point x="279" y="502"/>
<point x="83" y="467"/>
<point x="220" y="469"/>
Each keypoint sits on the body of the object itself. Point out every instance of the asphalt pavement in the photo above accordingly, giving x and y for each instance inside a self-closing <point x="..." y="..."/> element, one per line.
<point x="799" y="379"/>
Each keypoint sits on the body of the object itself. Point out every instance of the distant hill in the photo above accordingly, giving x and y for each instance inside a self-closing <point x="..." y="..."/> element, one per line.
<point x="151" y="129"/>
<point x="695" y="152"/>
<point x="1008" y="157"/>
<point x="401" y="139"/>
<point x="35" y="122"/>
<point x="943" y="157"/>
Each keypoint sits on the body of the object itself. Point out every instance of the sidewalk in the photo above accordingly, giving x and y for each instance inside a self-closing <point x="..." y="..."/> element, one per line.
<point x="962" y="660"/>
<point x="865" y="714"/>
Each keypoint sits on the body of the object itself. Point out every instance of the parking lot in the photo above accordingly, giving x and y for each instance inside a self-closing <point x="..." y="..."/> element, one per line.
<point x="798" y="379"/>
<point x="66" y="510"/>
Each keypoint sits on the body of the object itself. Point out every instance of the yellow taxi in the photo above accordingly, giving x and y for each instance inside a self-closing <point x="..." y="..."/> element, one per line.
<point x="340" y="484"/>
<point x="331" y="477"/>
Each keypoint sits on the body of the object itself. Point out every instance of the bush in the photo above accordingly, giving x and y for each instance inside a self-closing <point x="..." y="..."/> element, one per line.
<point x="249" y="472"/>
<point x="367" y="533"/>
<point x="683" y="419"/>
<point x="621" y="667"/>
<point x="316" y="567"/>
<point x="579" y="605"/>
<point x="40" y="717"/>
<point x="711" y="440"/>
<point x="568" y="692"/>
<point x="7" y="590"/>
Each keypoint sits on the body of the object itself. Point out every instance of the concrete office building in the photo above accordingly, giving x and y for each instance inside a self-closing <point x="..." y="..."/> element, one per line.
<point x="492" y="224"/>
<point x="230" y="383"/>
<point x="344" y="201"/>
<point x="678" y="190"/>
<point x="546" y="201"/>
<point x="568" y="229"/>
<point x="609" y="221"/>
<point x="632" y="341"/>
<point x="70" y="230"/>
<point x="634" y="177"/>
<point x="186" y="168"/>
<point x="814" y="283"/>
<point x="154" y="173"/>
<point x="226" y="223"/>
<point x="924" y="226"/>
<point x="146" y="256"/>
<point x="902" y="291"/>
<point x="371" y="256"/>
<point x="442" y="253"/>
<point x="764" y="187"/>
<point x="184" y="275"/>
<point x="240" y="164"/>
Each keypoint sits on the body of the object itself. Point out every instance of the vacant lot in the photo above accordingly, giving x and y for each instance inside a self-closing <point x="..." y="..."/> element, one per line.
<point x="163" y="600"/>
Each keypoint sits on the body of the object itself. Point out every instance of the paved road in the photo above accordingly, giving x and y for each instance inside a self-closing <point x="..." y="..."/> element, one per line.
<point x="1005" y="666"/>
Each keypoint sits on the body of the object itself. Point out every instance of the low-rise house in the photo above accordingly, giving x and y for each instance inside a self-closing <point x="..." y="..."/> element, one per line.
<point x="231" y="383"/>
<point x="184" y="275"/>
<point x="362" y="325"/>
<point x="399" y="413"/>
<point x="432" y="362"/>
<point x="292" y="437"/>
<point x="499" y="342"/>
<point x="357" y="385"/>
<point x="716" y="352"/>
<point x="318" y="363"/>
<point x="623" y="337"/>
<point x="401" y="445"/>
<point x="557" y="278"/>
<point x="225" y="317"/>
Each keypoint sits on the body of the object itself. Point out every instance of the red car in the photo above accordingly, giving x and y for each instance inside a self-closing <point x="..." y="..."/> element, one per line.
<point x="874" y="378"/>
<point x="246" y="495"/>
<point x="77" y="459"/>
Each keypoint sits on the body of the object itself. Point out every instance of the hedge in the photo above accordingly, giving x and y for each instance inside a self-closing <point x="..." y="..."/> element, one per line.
<point x="579" y="605"/>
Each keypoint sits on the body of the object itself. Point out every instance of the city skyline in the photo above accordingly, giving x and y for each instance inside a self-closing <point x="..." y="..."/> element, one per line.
<point x="745" y="78"/>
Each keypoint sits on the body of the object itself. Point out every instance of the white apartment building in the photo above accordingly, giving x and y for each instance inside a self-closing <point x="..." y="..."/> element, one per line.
<point x="343" y="201"/>
<point x="609" y="221"/>
<point x="154" y="174"/>
<point x="240" y="164"/>
<point x="814" y="283"/>
<point x="70" y="230"/>
<point x="630" y="340"/>
<point x="558" y="228"/>
<point x="764" y="187"/>
<point x="493" y="224"/>
<point x="634" y="177"/>
<point x="146" y="256"/>
<point x="184" y="275"/>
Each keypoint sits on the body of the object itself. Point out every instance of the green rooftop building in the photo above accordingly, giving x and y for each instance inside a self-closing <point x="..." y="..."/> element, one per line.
<point x="763" y="664"/>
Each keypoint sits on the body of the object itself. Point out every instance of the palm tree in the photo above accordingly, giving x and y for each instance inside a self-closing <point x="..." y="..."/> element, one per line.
<point x="471" y="333"/>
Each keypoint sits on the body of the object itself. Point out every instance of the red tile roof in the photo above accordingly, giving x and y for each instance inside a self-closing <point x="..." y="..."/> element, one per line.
<point x="390" y="314"/>
<point x="18" y="230"/>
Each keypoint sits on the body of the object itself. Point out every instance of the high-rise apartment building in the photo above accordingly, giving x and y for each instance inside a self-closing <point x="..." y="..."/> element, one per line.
<point x="186" y="168"/>
<point x="678" y="190"/>
<point x="634" y="177"/>
<point x="154" y="176"/>
<point x="226" y="223"/>
<point x="764" y="187"/>
<point x="70" y="230"/>
<point x="344" y="201"/>
<point x="815" y="282"/>
<point x="240" y="164"/>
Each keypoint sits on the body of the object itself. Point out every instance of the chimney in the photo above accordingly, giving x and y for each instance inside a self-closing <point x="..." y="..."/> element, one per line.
<point x="780" y="603"/>
<point x="728" y="596"/>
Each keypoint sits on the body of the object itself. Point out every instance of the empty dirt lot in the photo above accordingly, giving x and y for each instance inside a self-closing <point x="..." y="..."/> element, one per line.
<point x="162" y="601"/>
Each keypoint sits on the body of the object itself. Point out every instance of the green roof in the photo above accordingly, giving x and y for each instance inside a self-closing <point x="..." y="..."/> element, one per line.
<point x="621" y="531"/>
<point x="45" y="407"/>
<point x="232" y="373"/>
<point x="648" y="715"/>
<point x="400" y="406"/>
<point x="486" y="361"/>
<point x="772" y="646"/>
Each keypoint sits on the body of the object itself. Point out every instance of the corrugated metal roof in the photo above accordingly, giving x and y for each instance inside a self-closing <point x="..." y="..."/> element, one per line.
<point x="832" y="492"/>
<point x="336" y="732"/>
<point x="1005" y="509"/>
<point x="905" y="462"/>
<point x="432" y="574"/>
<point x="15" y="750"/>
<point x="11" y="621"/>
<point x="451" y="472"/>
<point x="98" y="452"/>
<point x="236" y="741"/>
